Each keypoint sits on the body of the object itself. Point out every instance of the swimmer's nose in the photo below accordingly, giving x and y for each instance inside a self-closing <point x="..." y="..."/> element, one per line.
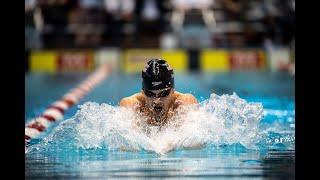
<point x="156" y="100"/>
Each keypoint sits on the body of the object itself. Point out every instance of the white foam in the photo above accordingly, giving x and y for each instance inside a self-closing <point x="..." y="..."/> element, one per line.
<point x="220" y="120"/>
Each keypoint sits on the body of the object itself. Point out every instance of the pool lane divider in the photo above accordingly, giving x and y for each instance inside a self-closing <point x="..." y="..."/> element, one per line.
<point x="56" y="110"/>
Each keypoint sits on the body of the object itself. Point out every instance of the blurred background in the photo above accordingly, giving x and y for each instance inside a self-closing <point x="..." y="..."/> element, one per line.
<point x="193" y="35"/>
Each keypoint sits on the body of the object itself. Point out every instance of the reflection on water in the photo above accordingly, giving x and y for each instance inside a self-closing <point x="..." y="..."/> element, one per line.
<point x="279" y="164"/>
<point x="186" y="164"/>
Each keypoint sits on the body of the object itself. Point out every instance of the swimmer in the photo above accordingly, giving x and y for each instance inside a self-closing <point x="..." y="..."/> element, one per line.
<point x="158" y="99"/>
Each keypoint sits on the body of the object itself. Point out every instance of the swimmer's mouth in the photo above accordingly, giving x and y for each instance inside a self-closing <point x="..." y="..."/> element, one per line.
<point x="157" y="108"/>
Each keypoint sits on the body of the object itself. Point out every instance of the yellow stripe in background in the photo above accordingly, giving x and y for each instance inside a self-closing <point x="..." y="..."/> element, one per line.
<point x="214" y="60"/>
<point x="135" y="59"/>
<point x="177" y="59"/>
<point x="43" y="61"/>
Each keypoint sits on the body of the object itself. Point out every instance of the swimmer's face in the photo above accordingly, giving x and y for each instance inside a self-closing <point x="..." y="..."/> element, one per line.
<point x="158" y="101"/>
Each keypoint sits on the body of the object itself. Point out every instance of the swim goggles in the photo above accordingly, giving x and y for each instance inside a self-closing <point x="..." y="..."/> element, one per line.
<point x="163" y="93"/>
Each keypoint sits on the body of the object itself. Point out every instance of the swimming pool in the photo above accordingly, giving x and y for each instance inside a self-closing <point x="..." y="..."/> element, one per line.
<point x="274" y="157"/>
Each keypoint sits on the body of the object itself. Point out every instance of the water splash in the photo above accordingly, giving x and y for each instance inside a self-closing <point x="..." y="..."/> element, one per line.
<point x="219" y="120"/>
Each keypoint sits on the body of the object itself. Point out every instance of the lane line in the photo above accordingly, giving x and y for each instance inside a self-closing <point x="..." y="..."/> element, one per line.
<point x="55" y="111"/>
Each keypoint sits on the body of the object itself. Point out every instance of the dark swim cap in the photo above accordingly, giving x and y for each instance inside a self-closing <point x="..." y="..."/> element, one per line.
<point x="157" y="74"/>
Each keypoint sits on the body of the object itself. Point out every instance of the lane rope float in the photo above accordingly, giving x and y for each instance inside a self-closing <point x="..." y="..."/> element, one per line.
<point x="55" y="111"/>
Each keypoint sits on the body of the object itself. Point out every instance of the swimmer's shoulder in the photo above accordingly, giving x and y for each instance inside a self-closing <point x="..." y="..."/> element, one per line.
<point x="186" y="98"/>
<point x="132" y="100"/>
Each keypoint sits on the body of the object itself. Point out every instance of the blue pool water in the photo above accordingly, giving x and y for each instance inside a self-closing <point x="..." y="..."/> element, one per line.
<point x="269" y="154"/>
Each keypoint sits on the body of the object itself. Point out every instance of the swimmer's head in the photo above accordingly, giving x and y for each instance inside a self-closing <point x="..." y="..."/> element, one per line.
<point x="156" y="75"/>
<point x="157" y="85"/>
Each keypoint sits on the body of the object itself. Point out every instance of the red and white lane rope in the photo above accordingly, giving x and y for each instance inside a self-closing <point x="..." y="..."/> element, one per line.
<point x="56" y="110"/>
